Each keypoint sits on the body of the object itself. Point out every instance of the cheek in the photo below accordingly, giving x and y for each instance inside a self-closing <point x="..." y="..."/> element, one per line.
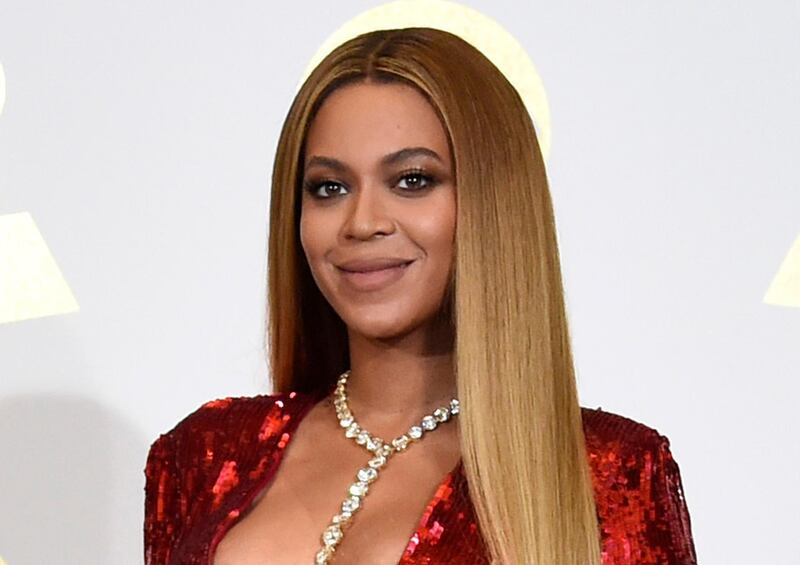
<point x="305" y="237"/>
<point x="318" y="233"/>
<point x="311" y="240"/>
<point x="435" y="230"/>
<point x="313" y="234"/>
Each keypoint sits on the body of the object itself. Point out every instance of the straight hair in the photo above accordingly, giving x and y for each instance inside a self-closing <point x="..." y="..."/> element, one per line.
<point x="522" y="442"/>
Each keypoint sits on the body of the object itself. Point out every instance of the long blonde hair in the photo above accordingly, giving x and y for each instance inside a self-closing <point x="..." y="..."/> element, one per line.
<point x="522" y="447"/>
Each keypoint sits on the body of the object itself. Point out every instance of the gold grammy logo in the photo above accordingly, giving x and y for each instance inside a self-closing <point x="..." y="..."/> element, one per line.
<point x="31" y="284"/>
<point x="785" y="287"/>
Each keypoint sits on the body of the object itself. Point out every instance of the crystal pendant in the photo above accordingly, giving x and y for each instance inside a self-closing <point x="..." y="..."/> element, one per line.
<point x="381" y="451"/>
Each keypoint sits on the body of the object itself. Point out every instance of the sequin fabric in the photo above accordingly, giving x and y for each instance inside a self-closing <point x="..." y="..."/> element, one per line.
<point x="201" y="475"/>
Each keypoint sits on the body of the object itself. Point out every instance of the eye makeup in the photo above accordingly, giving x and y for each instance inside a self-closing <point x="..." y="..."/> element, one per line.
<point x="313" y="184"/>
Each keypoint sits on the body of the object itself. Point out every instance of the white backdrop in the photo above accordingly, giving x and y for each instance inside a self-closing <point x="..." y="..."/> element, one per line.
<point x="140" y="137"/>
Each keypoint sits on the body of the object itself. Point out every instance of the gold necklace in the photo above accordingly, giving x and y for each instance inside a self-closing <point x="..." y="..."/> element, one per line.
<point x="381" y="451"/>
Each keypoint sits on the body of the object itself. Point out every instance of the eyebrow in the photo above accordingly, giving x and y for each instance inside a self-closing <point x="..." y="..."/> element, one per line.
<point x="389" y="159"/>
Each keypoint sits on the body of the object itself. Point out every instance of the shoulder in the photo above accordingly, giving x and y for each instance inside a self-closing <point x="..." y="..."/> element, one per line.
<point x="191" y="468"/>
<point x="607" y="430"/>
<point x="622" y="450"/>
<point x="222" y="420"/>
<point x="638" y="490"/>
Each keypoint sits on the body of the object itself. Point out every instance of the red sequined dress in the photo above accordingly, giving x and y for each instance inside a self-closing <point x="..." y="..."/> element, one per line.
<point x="204" y="473"/>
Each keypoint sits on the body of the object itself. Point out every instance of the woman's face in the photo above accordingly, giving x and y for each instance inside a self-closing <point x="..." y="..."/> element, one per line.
<point x="379" y="207"/>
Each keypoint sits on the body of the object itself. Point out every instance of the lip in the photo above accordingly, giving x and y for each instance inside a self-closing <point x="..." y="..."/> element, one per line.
<point x="376" y="278"/>
<point x="373" y="264"/>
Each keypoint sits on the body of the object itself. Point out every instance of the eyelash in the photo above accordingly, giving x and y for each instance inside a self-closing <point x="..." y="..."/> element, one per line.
<point x="313" y="185"/>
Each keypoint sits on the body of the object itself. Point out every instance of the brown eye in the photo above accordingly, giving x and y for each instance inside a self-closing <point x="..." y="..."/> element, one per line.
<point x="313" y="187"/>
<point x="418" y="180"/>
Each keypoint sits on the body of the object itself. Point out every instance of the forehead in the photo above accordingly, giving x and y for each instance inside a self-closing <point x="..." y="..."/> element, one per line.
<point x="360" y="123"/>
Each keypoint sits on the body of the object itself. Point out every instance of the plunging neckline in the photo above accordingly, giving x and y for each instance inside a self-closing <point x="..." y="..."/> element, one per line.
<point x="225" y="526"/>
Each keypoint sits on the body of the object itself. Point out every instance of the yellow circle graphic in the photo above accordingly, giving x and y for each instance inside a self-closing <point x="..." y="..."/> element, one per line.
<point x="484" y="33"/>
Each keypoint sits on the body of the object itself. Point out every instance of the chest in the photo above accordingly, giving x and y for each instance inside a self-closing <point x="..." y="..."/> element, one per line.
<point x="284" y="523"/>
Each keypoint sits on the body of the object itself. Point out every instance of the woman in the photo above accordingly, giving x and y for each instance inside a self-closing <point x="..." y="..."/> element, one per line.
<point x="425" y="407"/>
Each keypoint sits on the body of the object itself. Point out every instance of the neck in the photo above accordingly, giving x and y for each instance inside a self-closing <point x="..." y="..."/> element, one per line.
<point x="393" y="384"/>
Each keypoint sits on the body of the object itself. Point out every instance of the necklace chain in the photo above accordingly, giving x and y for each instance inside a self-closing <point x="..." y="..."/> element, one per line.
<point x="381" y="451"/>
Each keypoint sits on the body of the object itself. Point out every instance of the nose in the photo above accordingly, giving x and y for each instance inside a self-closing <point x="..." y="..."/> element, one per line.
<point x="368" y="214"/>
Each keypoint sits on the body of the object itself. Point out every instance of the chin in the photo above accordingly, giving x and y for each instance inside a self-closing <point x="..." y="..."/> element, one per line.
<point x="376" y="326"/>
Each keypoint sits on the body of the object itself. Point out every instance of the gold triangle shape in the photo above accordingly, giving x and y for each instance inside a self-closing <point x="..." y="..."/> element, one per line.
<point x="785" y="287"/>
<point x="31" y="284"/>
